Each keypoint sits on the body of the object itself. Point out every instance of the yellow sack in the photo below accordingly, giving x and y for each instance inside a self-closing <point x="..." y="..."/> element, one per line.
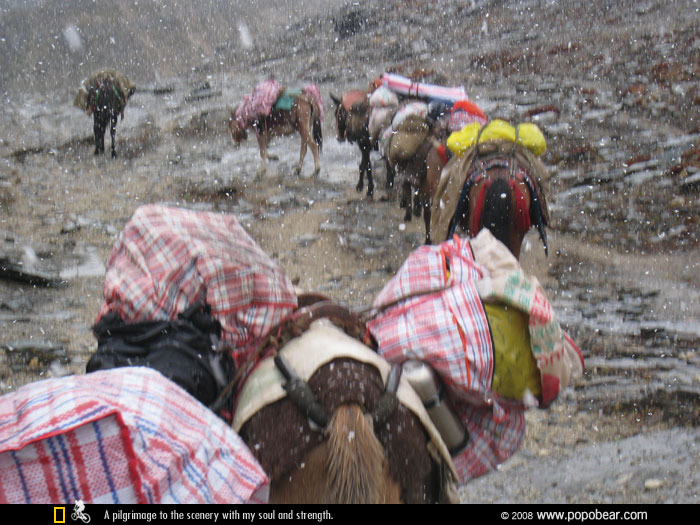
<point x="515" y="370"/>
<point x="529" y="136"/>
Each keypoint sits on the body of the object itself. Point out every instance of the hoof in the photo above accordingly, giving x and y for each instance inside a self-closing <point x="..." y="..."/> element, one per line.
<point x="359" y="187"/>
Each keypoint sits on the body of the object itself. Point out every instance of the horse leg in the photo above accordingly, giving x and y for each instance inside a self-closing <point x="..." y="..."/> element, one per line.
<point x="113" y="133"/>
<point x="366" y="166"/>
<point x="302" y="154"/>
<point x="406" y="198"/>
<point x="417" y="204"/>
<point x="389" y="177"/>
<point x="426" y="218"/>
<point x="99" y="132"/>
<point x="262" y="145"/>
<point x="317" y="159"/>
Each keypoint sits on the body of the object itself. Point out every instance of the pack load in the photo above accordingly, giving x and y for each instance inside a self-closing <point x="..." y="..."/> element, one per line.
<point x="413" y="108"/>
<point x="467" y="309"/>
<point x="408" y="88"/>
<point x="404" y="142"/>
<point x="120" y="436"/>
<point x="383" y="97"/>
<point x="103" y="79"/>
<point x="185" y="350"/>
<point x="465" y="112"/>
<point x="168" y="259"/>
<point x="258" y="103"/>
<point x="526" y="134"/>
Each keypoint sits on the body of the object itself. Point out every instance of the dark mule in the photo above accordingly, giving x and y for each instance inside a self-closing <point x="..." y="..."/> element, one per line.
<point x="106" y="100"/>
<point x="352" y="113"/>
<point x="341" y="433"/>
<point x="498" y="187"/>
<point x="304" y="118"/>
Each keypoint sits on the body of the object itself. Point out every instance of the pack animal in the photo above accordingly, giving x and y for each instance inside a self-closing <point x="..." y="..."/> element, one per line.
<point x="303" y="118"/>
<point x="418" y="166"/>
<point x="339" y="435"/>
<point x="499" y="187"/>
<point x="352" y="113"/>
<point x="106" y="101"/>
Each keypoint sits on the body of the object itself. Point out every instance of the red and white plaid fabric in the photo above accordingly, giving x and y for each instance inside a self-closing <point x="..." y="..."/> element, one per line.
<point x="258" y="103"/>
<point x="449" y="330"/>
<point x="126" y="435"/>
<point x="169" y="258"/>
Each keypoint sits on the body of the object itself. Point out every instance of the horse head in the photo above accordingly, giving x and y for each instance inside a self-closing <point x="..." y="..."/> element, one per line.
<point x="341" y="116"/>
<point x="238" y="132"/>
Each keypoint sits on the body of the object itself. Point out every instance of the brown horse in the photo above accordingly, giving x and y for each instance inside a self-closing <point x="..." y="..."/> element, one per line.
<point x="331" y="422"/>
<point x="419" y="173"/>
<point x="304" y="118"/>
<point x="494" y="186"/>
<point x="352" y="113"/>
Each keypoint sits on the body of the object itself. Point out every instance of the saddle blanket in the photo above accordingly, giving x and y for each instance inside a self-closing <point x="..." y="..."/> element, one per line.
<point x="443" y="322"/>
<point x="167" y="259"/>
<point x="406" y="86"/>
<point x="125" y="435"/>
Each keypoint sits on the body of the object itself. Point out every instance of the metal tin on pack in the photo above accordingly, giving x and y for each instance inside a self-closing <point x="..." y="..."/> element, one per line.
<point x="429" y="388"/>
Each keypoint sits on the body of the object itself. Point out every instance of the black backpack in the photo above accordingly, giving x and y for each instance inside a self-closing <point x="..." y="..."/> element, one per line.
<point x="182" y="349"/>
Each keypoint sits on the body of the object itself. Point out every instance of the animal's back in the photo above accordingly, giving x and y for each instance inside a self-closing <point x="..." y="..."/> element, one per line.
<point x="350" y="462"/>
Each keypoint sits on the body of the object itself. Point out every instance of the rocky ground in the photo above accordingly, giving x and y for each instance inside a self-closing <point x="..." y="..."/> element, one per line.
<point x="614" y="86"/>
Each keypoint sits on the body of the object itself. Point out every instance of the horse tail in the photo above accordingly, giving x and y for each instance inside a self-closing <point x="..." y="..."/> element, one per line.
<point x="316" y="126"/>
<point x="496" y="210"/>
<point x="356" y="460"/>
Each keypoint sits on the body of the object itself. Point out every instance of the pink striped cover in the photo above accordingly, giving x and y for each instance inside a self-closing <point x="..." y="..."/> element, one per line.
<point x="449" y="330"/>
<point x="406" y="86"/>
<point x="126" y="435"/>
<point x="167" y="258"/>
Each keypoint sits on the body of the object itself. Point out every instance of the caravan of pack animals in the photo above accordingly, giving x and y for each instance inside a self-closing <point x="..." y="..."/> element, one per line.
<point x="401" y="402"/>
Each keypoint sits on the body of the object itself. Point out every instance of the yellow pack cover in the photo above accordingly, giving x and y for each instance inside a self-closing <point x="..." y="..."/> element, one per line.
<point x="515" y="370"/>
<point x="529" y="136"/>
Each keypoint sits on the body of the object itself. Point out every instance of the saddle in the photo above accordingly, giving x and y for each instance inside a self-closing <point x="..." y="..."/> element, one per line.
<point x="323" y="334"/>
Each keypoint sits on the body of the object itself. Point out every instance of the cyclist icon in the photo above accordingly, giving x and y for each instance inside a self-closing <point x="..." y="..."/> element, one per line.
<point x="78" y="513"/>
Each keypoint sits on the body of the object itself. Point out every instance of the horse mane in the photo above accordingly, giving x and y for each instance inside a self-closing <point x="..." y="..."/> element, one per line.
<point x="356" y="460"/>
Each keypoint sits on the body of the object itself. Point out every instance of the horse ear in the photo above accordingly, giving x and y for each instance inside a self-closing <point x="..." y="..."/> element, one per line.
<point x="335" y="99"/>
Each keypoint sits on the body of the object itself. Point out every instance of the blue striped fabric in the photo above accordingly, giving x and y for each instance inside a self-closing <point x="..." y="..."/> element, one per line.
<point x="125" y="435"/>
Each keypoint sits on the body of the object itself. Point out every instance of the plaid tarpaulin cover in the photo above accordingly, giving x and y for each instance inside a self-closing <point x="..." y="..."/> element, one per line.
<point x="169" y="258"/>
<point x="258" y="103"/>
<point x="449" y="329"/>
<point x="125" y="435"/>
